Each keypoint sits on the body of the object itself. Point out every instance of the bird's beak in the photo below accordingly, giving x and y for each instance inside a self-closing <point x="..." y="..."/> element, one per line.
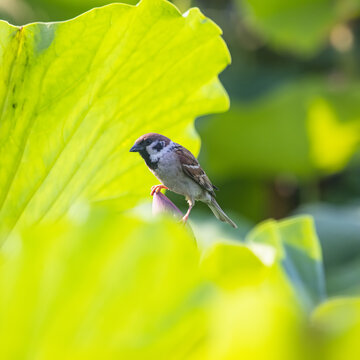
<point x="136" y="148"/>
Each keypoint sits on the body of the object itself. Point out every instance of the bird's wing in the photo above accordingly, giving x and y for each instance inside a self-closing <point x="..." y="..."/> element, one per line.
<point x="192" y="168"/>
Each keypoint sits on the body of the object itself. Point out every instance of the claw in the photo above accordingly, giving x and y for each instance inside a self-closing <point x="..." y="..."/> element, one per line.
<point x="157" y="188"/>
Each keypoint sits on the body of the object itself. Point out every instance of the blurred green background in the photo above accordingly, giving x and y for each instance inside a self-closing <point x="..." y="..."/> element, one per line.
<point x="290" y="142"/>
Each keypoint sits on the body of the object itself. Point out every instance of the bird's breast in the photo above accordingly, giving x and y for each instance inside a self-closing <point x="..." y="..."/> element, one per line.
<point x="169" y="171"/>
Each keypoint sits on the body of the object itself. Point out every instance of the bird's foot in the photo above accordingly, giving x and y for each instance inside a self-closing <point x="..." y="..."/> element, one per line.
<point x="157" y="188"/>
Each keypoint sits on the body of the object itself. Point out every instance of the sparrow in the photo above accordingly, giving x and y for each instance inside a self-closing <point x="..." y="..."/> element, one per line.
<point x="179" y="171"/>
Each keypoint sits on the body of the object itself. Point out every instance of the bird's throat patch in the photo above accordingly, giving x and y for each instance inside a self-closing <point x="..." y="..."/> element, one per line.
<point x="151" y="164"/>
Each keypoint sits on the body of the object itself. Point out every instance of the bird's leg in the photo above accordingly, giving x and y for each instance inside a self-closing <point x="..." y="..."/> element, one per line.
<point x="186" y="216"/>
<point x="157" y="188"/>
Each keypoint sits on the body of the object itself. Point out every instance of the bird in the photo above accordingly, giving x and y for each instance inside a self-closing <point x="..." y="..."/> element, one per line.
<point x="179" y="171"/>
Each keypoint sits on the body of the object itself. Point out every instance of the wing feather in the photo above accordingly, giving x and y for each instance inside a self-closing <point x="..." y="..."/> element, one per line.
<point x="192" y="168"/>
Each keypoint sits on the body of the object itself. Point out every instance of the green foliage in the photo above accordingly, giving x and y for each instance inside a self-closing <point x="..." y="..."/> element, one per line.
<point x="306" y="129"/>
<point x="298" y="252"/>
<point x="337" y="327"/>
<point x="82" y="274"/>
<point x="300" y="26"/>
<point x="290" y="142"/>
<point x="100" y="284"/>
<point x="101" y="287"/>
<point x="104" y="285"/>
<point x="338" y="228"/>
<point x="75" y="95"/>
<point x="20" y="12"/>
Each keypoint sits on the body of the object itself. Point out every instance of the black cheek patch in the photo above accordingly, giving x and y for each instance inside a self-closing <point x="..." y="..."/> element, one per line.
<point x="152" y="165"/>
<point x="158" y="146"/>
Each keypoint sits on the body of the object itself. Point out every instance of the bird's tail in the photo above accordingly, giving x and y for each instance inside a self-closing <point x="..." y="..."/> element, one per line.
<point x="219" y="213"/>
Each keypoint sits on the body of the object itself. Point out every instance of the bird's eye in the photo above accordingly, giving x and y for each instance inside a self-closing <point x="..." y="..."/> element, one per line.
<point x="147" y="142"/>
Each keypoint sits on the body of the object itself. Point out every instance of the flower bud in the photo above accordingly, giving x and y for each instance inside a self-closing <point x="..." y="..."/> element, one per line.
<point x="162" y="204"/>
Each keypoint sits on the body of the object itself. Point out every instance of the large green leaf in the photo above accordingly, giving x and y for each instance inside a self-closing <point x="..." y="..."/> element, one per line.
<point x="109" y="287"/>
<point x="308" y="128"/>
<point x="75" y="95"/>
<point x="301" y="26"/>
<point x="338" y="228"/>
<point x="298" y="251"/>
<point x="256" y="314"/>
<point x="336" y="326"/>
<point x="112" y="286"/>
<point x="290" y="247"/>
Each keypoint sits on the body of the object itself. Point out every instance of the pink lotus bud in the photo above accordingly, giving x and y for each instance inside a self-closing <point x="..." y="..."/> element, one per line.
<point x="162" y="204"/>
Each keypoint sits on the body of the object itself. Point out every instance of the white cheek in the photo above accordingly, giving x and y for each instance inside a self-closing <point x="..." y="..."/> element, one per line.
<point x="150" y="150"/>
<point x="156" y="155"/>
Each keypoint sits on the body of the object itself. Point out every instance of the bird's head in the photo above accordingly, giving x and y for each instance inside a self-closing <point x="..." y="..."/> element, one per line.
<point x="151" y="146"/>
<point x="151" y="143"/>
